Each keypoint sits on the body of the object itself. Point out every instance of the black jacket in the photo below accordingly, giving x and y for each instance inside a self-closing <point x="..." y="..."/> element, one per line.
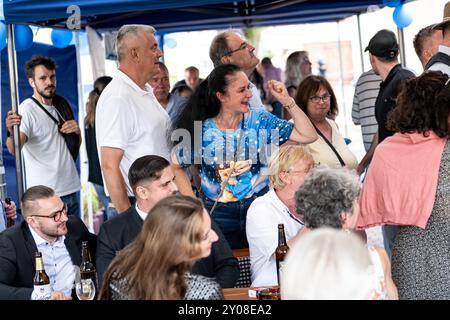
<point x="118" y="232"/>
<point x="17" y="256"/>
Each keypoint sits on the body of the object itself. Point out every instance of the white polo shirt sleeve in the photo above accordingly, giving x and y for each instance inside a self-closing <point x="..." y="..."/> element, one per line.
<point x="113" y="128"/>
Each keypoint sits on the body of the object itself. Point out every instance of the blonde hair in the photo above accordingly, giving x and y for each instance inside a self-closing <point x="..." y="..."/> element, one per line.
<point x="327" y="264"/>
<point x="283" y="160"/>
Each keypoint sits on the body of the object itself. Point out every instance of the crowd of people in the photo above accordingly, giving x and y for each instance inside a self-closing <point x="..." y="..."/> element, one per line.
<point x="189" y="174"/>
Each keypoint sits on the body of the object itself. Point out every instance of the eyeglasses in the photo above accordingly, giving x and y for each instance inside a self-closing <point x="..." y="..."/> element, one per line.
<point x="317" y="99"/>
<point x="55" y="215"/>
<point x="243" y="46"/>
<point x="297" y="171"/>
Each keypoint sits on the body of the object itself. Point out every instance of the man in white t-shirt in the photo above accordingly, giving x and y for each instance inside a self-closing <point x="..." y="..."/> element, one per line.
<point x="47" y="159"/>
<point x="130" y="122"/>
<point x="288" y="169"/>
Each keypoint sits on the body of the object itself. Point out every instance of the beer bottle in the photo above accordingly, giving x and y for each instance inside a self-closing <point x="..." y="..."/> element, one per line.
<point x="87" y="268"/>
<point x="9" y="221"/>
<point x="281" y="251"/>
<point x="41" y="282"/>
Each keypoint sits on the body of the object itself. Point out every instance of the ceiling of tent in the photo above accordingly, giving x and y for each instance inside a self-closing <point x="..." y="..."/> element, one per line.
<point x="172" y="16"/>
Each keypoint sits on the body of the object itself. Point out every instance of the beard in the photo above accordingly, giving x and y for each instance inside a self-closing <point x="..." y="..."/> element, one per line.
<point x="47" y="95"/>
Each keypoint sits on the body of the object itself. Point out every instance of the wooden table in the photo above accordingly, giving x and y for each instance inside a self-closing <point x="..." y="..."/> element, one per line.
<point x="237" y="294"/>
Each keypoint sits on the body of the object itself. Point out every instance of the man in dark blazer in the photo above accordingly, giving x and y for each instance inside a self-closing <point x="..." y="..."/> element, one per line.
<point x="152" y="179"/>
<point x="48" y="229"/>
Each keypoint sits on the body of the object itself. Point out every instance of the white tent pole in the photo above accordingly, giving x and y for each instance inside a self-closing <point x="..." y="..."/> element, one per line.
<point x="360" y="42"/>
<point x="341" y="69"/>
<point x="13" y="86"/>
<point x="83" y="157"/>
<point x="401" y="42"/>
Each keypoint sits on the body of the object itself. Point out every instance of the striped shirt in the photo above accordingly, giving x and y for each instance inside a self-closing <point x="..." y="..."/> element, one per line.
<point x="363" y="111"/>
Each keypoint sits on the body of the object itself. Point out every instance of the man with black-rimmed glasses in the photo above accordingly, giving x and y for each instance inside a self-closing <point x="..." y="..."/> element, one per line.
<point x="231" y="47"/>
<point x="46" y="228"/>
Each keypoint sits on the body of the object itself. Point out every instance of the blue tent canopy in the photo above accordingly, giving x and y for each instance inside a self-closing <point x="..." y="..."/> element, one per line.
<point x="172" y="16"/>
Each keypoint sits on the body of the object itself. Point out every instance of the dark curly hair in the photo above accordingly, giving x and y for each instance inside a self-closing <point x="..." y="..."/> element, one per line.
<point x="423" y="105"/>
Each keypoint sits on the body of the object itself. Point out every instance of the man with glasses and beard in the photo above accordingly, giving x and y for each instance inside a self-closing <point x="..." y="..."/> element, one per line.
<point x="48" y="229"/>
<point x="44" y="119"/>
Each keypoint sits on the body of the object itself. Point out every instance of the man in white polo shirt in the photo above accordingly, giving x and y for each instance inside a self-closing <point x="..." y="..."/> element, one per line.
<point x="287" y="171"/>
<point x="130" y="122"/>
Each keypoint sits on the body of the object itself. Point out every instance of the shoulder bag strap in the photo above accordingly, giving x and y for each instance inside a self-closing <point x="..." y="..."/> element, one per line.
<point x="45" y="110"/>
<point x="329" y="144"/>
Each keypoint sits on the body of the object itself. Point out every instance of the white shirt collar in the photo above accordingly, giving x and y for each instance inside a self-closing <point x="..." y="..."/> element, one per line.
<point x="125" y="78"/>
<point x="41" y="241"/>
<point x="141" y="213"/>
<point x="281" y="204"/>
<point x="444" y="49"/>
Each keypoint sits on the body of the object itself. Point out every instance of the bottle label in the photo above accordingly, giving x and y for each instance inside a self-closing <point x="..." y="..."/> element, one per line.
<point x="42" y="292"/>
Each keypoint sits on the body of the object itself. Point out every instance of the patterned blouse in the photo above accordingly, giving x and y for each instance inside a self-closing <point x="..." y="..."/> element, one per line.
<point x="198" y="288"/>
<point x="251" y="153"/>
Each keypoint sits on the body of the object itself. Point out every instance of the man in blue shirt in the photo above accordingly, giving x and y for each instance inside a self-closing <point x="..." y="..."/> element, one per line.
<point x="48" y="229"/>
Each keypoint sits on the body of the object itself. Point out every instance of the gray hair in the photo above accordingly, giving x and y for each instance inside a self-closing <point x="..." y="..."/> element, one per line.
<point x="327" y="264"/>
<point x="293" y="74"/>
<point x="126" y="31"/>
<point x="325" y="194"/>
<point x="219" y="48"/>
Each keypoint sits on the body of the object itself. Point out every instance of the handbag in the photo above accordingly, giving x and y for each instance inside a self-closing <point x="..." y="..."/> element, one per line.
<point x="62" y="106"/>
<point x="330" y="145"/>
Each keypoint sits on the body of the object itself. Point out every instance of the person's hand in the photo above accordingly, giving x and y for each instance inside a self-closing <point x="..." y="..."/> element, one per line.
<point x="70" y="126"/>
<point x="10" y="210"/>
<point x="278" y="90"/>
<point x="240" y="167"/>
<point x="58" y="295"/>
<point x="12" y="119"/>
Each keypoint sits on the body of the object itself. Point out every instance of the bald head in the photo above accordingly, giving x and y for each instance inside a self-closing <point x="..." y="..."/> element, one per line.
<point x="129" y="37"/>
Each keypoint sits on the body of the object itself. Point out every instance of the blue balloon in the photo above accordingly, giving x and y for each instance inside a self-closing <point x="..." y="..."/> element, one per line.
<point x="170" y="43"/>
<point x="61" y="38"/>
<point x="402" y="17"/>
<point x="2" y="35"/>
<point x="392" y="3"/>
<point x="23" y="37"/>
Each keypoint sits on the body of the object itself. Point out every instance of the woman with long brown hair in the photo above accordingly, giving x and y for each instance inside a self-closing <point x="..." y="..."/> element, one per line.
<point x="156" y="265"/>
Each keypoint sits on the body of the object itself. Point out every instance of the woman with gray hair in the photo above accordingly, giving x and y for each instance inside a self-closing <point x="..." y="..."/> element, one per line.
<point x="297" y="68"/>
<point x="329" y="198"/>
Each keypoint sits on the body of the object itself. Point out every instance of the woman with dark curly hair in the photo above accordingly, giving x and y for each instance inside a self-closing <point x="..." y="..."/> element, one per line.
<point x="408" y="184"/>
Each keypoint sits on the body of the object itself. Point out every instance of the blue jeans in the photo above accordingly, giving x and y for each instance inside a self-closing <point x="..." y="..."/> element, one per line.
<point x="231" y="218"/>
<point x="389" y="235"/>
<point x="73" y="205"/>
<point x="104" y="199"/>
